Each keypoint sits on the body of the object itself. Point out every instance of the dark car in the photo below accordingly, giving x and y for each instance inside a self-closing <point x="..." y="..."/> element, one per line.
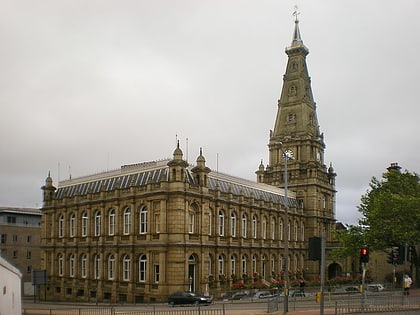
<point x="178" y="298"/>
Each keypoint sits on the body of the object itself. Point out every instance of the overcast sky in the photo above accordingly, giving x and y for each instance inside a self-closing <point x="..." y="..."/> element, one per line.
<point x="88" y="86"/>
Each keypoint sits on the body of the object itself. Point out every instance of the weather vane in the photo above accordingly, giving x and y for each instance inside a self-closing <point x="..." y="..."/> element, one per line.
<point x="296" y="13"/>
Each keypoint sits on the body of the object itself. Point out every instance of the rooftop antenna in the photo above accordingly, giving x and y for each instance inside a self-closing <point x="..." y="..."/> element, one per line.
<point x="186" y="149"/>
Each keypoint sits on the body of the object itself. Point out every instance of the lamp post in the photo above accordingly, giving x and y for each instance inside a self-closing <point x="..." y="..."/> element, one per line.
<point x="287" y="155"/>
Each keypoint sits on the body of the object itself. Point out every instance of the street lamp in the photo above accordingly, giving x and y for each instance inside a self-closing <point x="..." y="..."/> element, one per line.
<point x="287" y="155"/>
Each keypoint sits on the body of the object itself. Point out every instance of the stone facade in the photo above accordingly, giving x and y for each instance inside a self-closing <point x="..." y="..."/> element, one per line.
<point x="144" y="231"/>
<point x="20" y="241"/>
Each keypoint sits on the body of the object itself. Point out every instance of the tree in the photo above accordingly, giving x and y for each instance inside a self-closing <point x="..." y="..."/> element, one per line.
<point x="391" y="213"/>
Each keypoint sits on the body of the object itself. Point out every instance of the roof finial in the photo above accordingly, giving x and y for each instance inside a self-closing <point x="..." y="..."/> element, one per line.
<point x="296" y="13"/>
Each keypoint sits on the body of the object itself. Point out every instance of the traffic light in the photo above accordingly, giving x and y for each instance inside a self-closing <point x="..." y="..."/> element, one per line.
<point x="364" y="254"/>
<point x="394" y="256"/>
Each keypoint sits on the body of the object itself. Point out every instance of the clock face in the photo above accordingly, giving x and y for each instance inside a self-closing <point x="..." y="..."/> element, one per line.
<point x="288" y="154"/>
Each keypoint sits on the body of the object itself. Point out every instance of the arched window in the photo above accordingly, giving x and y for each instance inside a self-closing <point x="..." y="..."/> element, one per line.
<point x="96" y="266"/>
<point x="61" y="226"/>
<point x="289" y="230"/>
<point x="244" y="225"/>
<point x="221" y="223"/>
<point x="191" y="221"/>
<point x="127" y="221"/>
<point x="302" y="228"/>
<point x="143" y="220"/>
<point x="111" y="267"/>
<point x="232" y="265"/>
<point x="281" y="230"/>
<point x="244" y="266"/>
<point x="83" y="266"/>
<point x="273" y="266"/>
<point x="264" y="228"/>
<point x="72" y="225"/>
<point x="72" y="266"/>
<point x="295" y="230"/>
<point x="254" y="226"/>
<point x="254" y="264"/>
<point x="273" y="229"/>
<point x="98" y="220"/>
<point x="111" y="222"/>
<point x="126" y="266"/>
<point x="142" y="268"/>
<point x="221" y="266"/>
<point x="210" y="222"/>
<point x="85" y="225"/>
<point x="60" y="265"/>
<point x="233" y="224"/>
<point x="263" y="266"/>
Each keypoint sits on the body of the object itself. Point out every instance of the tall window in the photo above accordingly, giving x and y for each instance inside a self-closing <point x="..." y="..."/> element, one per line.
<point x="221" y="223"/>
<point x="264" y="229"/>
<point x="71" y="265"/>
<point x="281" y="230"/>
<point x="232" y="265"/>
<point x="221" y="265"/>
<point x="244" y="265"/>
<point x="254" y="226"/>
<point x="83" y="266"/>
<point x="96" y="266"/>
<point x="98" y="223"/>
<point x="60" y="265"/>
<point x="111" y="222"/>
<point x="302" y="228"/>
<point x="263" y="266"/>
<point x="191" y="219"/>
<point x="233" y="224"/>
<point x="210" y="222"/>
<point x="85" y="221"/>
<point x="127" y="221"/>
<point x="72" y="225"/>
<point x="157" y="223"/>
<point x="273" y="228"/>
<point x="254" y="264"/>
<point x="295" y="229"/>
<point x="61" y="226"/>
<point x="243" y="227"/>
<point x="126" y="268"/>
<point x="143" y="220"/>
<point x="111" y="267"/>
<point x="273" y="265"/>
<point x="142" y="268"/>
<point x="289" y="232"/>
<point x="156" y="273"/>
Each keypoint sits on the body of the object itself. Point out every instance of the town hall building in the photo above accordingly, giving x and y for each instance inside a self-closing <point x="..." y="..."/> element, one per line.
<point x="144" y="231"/>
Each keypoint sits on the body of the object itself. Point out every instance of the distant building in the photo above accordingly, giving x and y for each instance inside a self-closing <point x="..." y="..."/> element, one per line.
<point x="20" y="240"/>
<point x="10" y="285"/>
<point x="146" y="230"/>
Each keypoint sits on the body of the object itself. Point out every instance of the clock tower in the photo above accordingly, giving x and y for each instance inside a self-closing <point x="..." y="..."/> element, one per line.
<point x="296" y="131"/>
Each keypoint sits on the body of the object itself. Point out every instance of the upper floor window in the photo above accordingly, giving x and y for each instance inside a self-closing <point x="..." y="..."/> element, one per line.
<point x="98" y="223"/>
<point x="61" y="226"/>
<point x="281" y="228"/>
<point x="111" y="222"/>
<point x="233" y="224"/>
<point x="85" y="223"/>
<point x="254" y="226"/>
<point x="221" y="223"/>
<point x="191" y="219"/>
<point x="264" y="229"/>
<point x="143" y="220"/>
<point x="273" y="228"/>
<point x="72" y="225"/>
<point x="243" y="226"/>
<point x="127" y="221"/>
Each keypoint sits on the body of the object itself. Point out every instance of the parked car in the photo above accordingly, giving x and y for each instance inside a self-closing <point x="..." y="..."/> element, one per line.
<point x="263" y="295"/>
<point x="347" y="290"/>
<point x="375" y="287"/>
<point x="179" y="298"/>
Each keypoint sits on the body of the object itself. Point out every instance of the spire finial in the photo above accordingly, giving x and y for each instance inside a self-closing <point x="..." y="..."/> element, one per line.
<point x="296" y="13"/>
